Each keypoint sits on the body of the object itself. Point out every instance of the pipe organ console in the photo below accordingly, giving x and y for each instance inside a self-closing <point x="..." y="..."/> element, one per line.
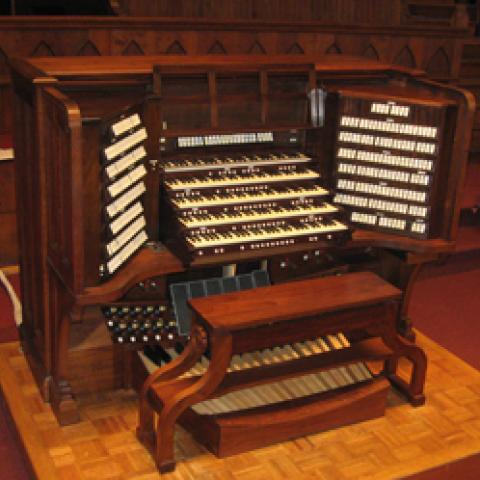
<point x="149" y="185"/>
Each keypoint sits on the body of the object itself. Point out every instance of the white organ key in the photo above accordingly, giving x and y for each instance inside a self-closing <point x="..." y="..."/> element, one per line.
<point x="149" y="365"/>
<point x="263" y="395"/>
<point x="236" y="401"/>
<point x="258" y="357"/>
<point x="328" y="380"/>
<point x="251" y="215"/>
<point x="311" y="381"/>
<point x="232" y="402"/>
<point x="302" y="350"/>
<point x="322" y="387"/>
<point x="289" y="388"/>
<point x="235" y="363"/>
<point x="343" y="339"/>
<point x="279" y="354"/>
<point x="251" y="360"/>
<point x="307" y="384"/>
<point x="356" y="372"/>
<point x="250" y="397"/>
<point x="197" y="369"/>
<point x="250" y="198"/>
<point x="282" y="393"/>
<point x="347" y="375"/>
<point x="246" y="362"/>
<point x="241" y="180"/>
<point x="172" y="353"/>
<point x="268" y="357"/>
<point x="295" y="388"/>
<point x="219" y="163"/>
<point x="317" y="383"/>
<point x="258" y="235"/>
<point x="365" y="370"/>
<point x="210" y="410"/>
<point x="313" y="346"/>
<point x="218" y="405"/>
<point x="291" y="352"/>
<point x="338" y="377"/>
<point x="272" y="355"/>
<point x="262" y="358"/>
<point x="334" y="342"/>
<point x="322" y="344"/>
<point x="203" y="408"/>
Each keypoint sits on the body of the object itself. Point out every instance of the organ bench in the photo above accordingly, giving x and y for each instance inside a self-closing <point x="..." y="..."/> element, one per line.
<point x="275" y="333"/>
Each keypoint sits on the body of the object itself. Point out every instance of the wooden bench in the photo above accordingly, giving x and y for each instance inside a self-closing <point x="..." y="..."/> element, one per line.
<point x="361" y="305"/>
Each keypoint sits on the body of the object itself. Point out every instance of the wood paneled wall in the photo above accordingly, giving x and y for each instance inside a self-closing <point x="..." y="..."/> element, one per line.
<point x="436" y="49"/>
<point x="379" y="12"/>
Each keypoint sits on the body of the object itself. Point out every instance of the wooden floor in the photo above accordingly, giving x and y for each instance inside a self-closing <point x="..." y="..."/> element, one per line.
<point x="402" y="444"/>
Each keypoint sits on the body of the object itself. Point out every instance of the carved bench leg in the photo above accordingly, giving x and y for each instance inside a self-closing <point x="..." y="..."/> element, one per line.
<point x="164" y="448"/>
<point x="403" y="348"/>
<point x="146" y="429"/>
<point x="196" y="347"/>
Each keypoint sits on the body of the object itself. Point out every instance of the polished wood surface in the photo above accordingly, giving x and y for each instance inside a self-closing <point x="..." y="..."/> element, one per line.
<point x="62" y="107"/>
<point x="440" y="437"/>
<point x="430" y="37"/>
<point x="269" y="305"/>
<point x="358" y="303"/>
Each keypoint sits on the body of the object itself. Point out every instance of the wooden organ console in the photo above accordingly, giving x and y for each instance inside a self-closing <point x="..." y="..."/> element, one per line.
<point x="148" y="185"/>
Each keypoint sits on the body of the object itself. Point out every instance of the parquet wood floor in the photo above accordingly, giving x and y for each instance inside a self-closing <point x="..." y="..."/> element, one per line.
<point x="103" y="446"/>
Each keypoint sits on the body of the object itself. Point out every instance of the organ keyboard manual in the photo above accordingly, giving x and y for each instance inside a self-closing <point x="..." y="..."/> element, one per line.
<point x="153" y="181"/>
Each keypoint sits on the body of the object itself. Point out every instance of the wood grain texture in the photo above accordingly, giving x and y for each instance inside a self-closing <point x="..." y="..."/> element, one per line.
<point x="441" y="435"/>
<point x="248" y="309"/>
<point x="56" y="284"/>
<point x="383" y="30"/>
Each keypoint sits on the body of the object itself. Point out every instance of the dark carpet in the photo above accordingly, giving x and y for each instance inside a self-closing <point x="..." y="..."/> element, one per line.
<point x="445" y="305"/>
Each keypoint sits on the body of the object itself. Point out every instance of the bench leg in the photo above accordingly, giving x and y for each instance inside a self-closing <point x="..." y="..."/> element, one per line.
<point x="164" y="448"/>
<point x="414" y="389"/>
<point x="171" y="402"/>
<point x="145" y="430"/>
<point x="195" y="348"/>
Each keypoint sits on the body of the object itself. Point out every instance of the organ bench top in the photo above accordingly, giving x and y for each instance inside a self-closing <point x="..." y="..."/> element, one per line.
<point x="273" y="304"/>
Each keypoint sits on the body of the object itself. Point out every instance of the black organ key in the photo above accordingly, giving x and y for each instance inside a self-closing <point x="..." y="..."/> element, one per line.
<point x="157" y="355"/>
